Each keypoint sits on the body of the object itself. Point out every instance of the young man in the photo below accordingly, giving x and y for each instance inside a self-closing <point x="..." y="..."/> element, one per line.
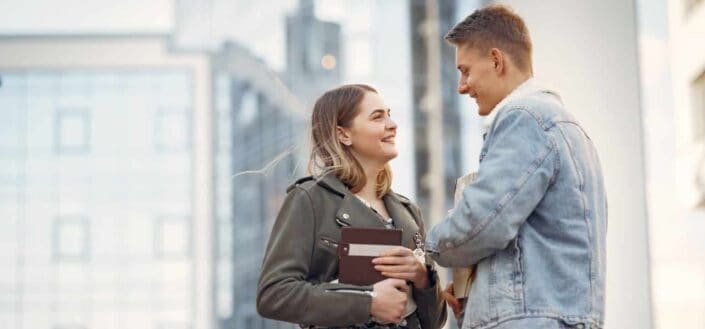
<point x="534" y="220"/>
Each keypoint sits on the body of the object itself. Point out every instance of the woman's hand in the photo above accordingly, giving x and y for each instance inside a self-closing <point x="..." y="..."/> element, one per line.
<point x="389" y="301"/>
<point x="400" y="263"/>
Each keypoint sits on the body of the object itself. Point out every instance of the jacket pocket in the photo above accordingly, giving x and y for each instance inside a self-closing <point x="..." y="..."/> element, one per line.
<point x="328" y="245"/>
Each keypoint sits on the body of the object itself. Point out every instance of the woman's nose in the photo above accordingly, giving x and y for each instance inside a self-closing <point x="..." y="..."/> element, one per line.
<point x="391" y="124"/>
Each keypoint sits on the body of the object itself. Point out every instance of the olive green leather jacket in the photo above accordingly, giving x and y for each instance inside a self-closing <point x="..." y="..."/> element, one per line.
<point x="301" y="257"/>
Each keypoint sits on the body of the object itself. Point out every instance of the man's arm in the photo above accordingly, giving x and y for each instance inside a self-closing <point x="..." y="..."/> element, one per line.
<point x="512" y="179"/>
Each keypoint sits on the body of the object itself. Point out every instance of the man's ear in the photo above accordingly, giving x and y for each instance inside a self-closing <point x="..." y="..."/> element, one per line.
<point x="498" y="58"/>
<point x="343" y="136"/>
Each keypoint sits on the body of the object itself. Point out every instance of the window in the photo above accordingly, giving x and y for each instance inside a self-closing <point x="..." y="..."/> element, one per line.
<point x="72" y="131"/>
<point x="172" y="237"/>
<point x="172" y="130"/>
<point x="71" y="239"/>
<point x="13" y="96"/>
<point x="249" y="108"/>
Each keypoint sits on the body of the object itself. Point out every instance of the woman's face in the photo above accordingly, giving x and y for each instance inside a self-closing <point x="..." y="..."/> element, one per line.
<point x="372" y="132"/>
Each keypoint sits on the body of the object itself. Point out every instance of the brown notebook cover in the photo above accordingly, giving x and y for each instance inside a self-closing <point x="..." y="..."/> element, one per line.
<point x="357" y="247"/>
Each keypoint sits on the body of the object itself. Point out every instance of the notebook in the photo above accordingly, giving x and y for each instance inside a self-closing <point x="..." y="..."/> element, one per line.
<point x="357" y="247"/>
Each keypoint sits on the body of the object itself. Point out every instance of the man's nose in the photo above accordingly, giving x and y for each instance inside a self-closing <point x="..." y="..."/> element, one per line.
<point x="462" y="87"/>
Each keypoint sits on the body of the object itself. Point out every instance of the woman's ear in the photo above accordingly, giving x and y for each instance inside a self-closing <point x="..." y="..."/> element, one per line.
<point x="343" y="136"/>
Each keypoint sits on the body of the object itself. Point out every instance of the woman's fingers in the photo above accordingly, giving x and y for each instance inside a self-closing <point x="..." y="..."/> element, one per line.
<point x="397" y="275"/>
<point x="393" y="260"/>
<point x="397" y="251"/>
<point x="396" y="268"/>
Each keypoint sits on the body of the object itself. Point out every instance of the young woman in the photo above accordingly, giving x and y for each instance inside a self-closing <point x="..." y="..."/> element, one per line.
<point x="353" y="141"/>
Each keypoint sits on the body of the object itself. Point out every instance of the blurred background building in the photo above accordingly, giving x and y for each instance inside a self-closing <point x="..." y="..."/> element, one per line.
<point x="673" y="89"/>
<point x="104" y="207"/>
<point x="451" y="151"/>
<point x="145" y="148"/>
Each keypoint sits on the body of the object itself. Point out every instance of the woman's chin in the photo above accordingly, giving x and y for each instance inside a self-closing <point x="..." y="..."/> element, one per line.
<point x="389" y="156"/>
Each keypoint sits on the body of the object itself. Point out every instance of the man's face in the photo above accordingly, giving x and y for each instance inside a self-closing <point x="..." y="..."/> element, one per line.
<point x="478" y="77"/>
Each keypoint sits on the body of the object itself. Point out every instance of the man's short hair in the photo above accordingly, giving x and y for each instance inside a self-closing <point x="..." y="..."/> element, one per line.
<point x="495" y="26"/>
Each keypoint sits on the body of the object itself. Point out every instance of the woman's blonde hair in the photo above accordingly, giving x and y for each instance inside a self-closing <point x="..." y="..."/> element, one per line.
<point x="338" y="107"/>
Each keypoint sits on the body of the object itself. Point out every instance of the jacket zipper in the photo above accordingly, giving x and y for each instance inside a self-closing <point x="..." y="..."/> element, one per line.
<point x="329" y="242"/>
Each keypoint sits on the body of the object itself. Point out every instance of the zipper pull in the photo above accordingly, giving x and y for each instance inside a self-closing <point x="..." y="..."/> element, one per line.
<point x="419" y="253"/>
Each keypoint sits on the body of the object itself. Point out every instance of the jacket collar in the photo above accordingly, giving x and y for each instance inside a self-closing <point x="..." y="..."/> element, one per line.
<point x="335" y="185"/>
<point x="528" y="87"/>
<point x="403" y="218"/>
<point x="356" y="214"/>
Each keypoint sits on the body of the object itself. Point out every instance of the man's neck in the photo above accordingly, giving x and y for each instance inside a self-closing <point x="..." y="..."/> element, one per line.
<point x="514" y="81"/>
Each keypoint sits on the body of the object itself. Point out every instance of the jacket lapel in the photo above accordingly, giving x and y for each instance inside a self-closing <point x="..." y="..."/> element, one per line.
<point x="351" y="211"/>
<point x="402" y="219"/>
<point x="354" y="212"/>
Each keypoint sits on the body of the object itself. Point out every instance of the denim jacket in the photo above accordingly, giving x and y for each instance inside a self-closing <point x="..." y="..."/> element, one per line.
<point x="533" y="223"/>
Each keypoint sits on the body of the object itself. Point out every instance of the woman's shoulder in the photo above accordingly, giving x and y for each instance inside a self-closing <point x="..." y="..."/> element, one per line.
<point x="318" y="184"/>
<point x="301" y="182"/>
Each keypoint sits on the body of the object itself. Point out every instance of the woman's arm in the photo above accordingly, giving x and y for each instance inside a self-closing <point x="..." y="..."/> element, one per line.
<point x="284" y="293"/>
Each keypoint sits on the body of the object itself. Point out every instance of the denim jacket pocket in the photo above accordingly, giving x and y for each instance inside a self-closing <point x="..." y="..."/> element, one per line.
<point x="506" y="281"/>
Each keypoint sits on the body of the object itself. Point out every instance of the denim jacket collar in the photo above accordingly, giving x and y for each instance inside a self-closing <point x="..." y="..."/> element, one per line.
<point x="527" y="87"/>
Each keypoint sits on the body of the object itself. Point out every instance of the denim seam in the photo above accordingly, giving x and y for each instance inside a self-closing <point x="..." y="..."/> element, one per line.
<point x="533" y="314"/>
<point x="528" y="110"/>
<point x="585" y="221"/>
<point x="520" y="270"/>
<point x="556" y="160"/>
<point x="575" y="123"/>
<point x="535" y="116"/>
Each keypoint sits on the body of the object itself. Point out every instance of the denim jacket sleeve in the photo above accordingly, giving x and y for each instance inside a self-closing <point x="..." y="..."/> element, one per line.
<point x="513" y="176"/>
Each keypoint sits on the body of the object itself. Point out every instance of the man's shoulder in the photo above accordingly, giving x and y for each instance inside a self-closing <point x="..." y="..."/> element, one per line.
<point x="545" y="108"/>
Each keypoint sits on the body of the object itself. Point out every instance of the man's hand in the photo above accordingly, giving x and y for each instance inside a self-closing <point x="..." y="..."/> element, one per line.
<point x="449" y="296"/>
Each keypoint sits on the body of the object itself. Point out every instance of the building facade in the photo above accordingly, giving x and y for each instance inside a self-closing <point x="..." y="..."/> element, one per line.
<point x="104" y="184"/>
